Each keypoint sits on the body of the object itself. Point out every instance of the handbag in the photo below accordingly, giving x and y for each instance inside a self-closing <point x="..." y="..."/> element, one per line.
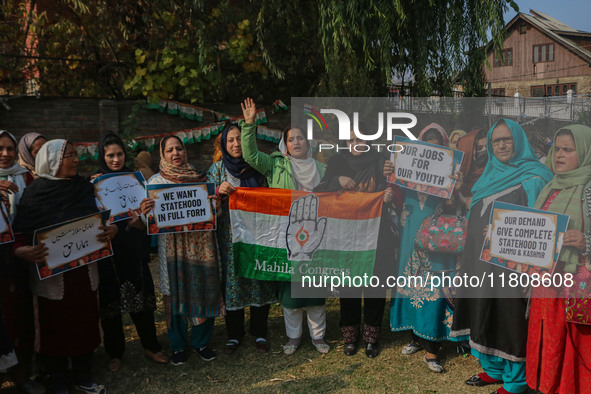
<point x="442" y="233"/>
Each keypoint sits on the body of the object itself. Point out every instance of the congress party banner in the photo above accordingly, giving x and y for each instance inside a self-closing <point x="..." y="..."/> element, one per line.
<point x="72" y="244"/>
<point x="424" y="167"/>
<point x="121" y="193"/>
<point x="284" y="235"/>
<point x="523" y="239"/>
<point x="181" y="207"/>
<point x="6" y="234"/>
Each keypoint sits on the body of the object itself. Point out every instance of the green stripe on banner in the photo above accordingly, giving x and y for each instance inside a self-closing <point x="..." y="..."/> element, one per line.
<point x="266" y="263"/>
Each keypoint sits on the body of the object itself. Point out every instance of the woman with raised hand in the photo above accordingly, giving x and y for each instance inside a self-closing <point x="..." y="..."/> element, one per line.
<point x="229" y="173"/>
<point x="67" y="304"/>
<point x="425" y="312"/>
<point x="558" y="351"/>
<point x="189" y="270"/>
<point x="366" y="172"/>
<point x="126" y="284"/>
<point x="291" y="168"/>
<point x="495" y="317"/>
<point x="28" y="147"/>
<point x="16" y="299"/>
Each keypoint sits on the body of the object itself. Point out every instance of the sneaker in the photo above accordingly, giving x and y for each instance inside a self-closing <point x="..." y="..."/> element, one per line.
<point x="178" y="357"/>
<point x="205" y="353"/>
<point x="433" y="364"/>
<point x="92" y="388"/>
<point x="411" y="348"/>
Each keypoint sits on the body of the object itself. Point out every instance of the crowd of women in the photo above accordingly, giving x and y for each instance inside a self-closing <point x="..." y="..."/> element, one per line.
<point x="519" y="341"/>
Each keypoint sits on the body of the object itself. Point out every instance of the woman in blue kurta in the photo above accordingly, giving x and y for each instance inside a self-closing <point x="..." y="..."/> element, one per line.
<point x="417" y="308"/>
<point x="231" y="172"/>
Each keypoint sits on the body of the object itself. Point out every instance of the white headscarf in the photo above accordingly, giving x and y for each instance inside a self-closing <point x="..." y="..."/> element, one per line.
<point x="304" y="170"/>
<point x="49" y="159"/>
<point x="14" y="174"/>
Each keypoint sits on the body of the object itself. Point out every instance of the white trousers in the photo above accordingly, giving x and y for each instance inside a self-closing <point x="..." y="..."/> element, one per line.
<point x="316" y="321"/>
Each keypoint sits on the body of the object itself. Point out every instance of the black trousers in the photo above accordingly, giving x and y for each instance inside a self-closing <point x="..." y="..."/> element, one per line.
<point x="57" y="366"/>
<point x="373" y="311"/>
<point x="259" y="316"/>
<point x="114" y="337"/>
<point x="429" y="346"/>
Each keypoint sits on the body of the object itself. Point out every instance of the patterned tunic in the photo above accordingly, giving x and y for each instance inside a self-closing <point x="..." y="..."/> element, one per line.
<point x="239" y="292"/>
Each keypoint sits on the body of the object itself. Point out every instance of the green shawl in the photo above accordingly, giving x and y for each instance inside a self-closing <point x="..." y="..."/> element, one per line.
<point x="572" y="186"/>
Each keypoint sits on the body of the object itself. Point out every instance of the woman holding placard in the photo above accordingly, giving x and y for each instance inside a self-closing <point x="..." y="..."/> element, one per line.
<point x="426" y="312"/>
<point x="291" y="168"/>
<point x="364" y="172"/>
<point x="67" y="304"/>
<point x="189" y="271"/>
<point x="228" y="173"/>
<point x="557" y="347"/>
<point x="15" y="296"/>
<point x="494" y="316"/>
<point x="126" y="284"/>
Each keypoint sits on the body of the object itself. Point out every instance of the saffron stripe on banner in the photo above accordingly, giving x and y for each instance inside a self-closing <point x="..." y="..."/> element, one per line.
<point x="269" y="231"/>
<point x="278" y="202"/>
<point x="264" y="263"/>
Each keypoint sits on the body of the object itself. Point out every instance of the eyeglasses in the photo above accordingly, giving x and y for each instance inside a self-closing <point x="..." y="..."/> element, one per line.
<point x="505" y="140"/>
<point x="72" y="156"/>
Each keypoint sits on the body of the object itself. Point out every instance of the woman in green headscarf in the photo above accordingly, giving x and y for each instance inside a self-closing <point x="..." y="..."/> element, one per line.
<point x="555" y="363"/>
<point x="495" y="317"/>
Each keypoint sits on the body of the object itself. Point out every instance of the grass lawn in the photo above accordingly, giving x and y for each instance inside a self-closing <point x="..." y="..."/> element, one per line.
<point x="305" y="371"/>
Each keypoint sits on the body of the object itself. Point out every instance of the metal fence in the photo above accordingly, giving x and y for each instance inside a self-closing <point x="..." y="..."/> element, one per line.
<point x="567" y="108"/>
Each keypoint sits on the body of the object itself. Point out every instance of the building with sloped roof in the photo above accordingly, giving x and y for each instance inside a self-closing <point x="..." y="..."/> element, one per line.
<point x="540" y="56"/>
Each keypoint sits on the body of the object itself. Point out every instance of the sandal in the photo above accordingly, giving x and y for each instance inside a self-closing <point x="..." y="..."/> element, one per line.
<point x="114" y="364"/>
<point x="433" y="364"/>
<point x="291" y="346"/>
<point x="158" y="357"/>
<point x="321" y="345"/>
<point x="92" y="388"/>
<point x="411" y="348"/>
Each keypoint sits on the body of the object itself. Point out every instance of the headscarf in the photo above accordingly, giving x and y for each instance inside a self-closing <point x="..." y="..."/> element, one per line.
<point x="471" y="171"/>
<point x="49" y="200"/>
<point x="572" y="187"/>
<point x="111" y="138"/>
<point x="459" y="132"/>
<point x="236" y="166"/>
<point x="25" y="145"/>
<point x="49" y="159"/>
<point x="143" y="163"/>
<point x="438" y="128"/>
<point x="524" y="165"/>
<point x="304" y="171"/>
<point x="14" y="174"/>
<point x="185" y="173"/>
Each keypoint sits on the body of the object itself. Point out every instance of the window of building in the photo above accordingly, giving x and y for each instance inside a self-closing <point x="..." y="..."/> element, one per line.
<point x="522" y="29"/>
<point x="543" y="53"/>
<point x="506" y="60"/>
<point x="537" y="91"/>
<point x="559" y="89"/>
<point x="499" y="92"/>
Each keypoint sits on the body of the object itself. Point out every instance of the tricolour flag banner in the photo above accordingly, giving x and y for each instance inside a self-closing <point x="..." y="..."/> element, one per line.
<point x="283" y="234"/>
